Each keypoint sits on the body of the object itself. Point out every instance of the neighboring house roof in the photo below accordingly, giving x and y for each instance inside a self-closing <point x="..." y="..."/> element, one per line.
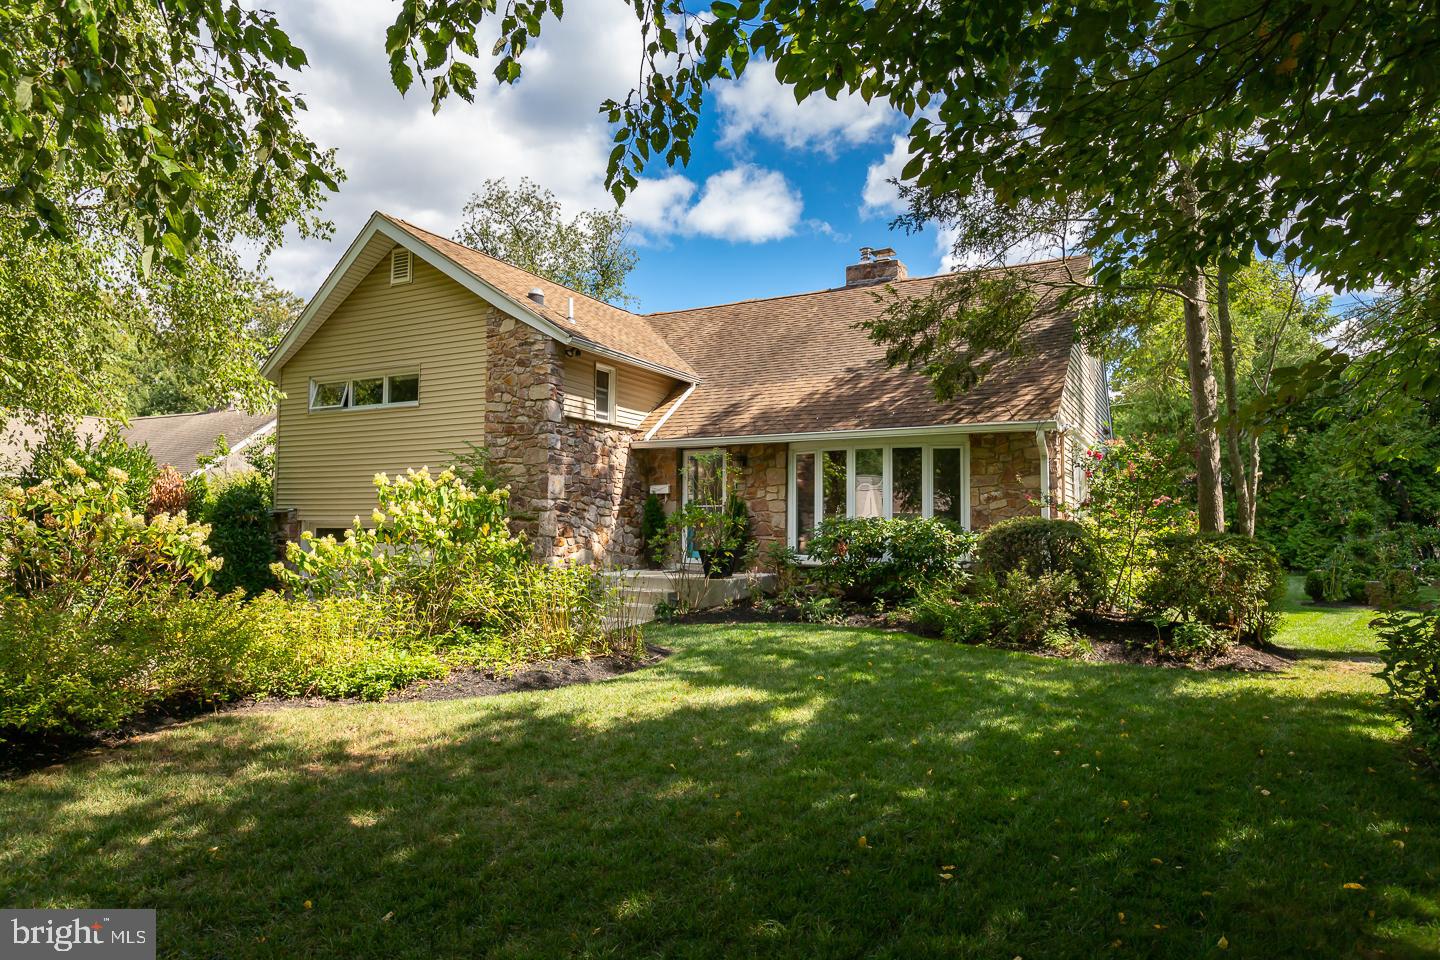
<point x="598" y="327"/>
<point x="181" y="439"/>
<point x="798" y="364"/>
<point x="20" y="438"/>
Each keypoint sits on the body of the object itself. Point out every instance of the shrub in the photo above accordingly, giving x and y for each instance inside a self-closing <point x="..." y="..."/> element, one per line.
<point x="869" y="558"/>
<point x="81" y="544"/>
<point x="1130" y="505"/>
<point x="1024" y="611"/>
<point x="1412" y="672"/>
<point x="1042" y="546"/>
<point x="62" y="670"/>
<point x="1191" y="639"/>
<point x="96" y="456"/>
<point x="236" y="507"/>
<point x="168" y="493"/>
<point x="536" y="611"/>
<point x="430" y="535"/>
<point x="652" y="524"/>
<point x="1224" y="580"/>
<point x="1315" y="585"/>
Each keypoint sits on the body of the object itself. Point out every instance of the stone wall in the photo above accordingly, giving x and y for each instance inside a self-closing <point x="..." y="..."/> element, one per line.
<point x="763" y="485"/>
<point x="1005" y="476"/>
<point x="597" y="511"/>
<point x="523" y="423"/>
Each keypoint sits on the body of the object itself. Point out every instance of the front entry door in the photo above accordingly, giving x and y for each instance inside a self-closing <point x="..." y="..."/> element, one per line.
<point x="704" y="487"/>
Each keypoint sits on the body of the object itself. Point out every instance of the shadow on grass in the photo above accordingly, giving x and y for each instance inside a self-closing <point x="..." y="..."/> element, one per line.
<point x="774" y="791"/>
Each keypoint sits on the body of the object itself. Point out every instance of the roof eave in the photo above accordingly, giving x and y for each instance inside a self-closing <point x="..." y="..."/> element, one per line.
<point x="996" y="426"/>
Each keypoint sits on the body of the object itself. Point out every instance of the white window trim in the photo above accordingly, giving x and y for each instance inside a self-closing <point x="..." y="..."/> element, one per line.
<point x="607" y="415"/>
<point x="350" y="392"/>
<point x="927" y="446"/>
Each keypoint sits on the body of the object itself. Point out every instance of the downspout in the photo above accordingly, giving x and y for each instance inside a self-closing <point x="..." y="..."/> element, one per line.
<point x="1044" y="473"/>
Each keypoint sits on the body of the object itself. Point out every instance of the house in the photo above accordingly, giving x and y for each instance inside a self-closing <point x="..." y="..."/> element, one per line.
<point x="181" y="440"/>
<point x="184" y="440"/>
<point x="416" y="346"/>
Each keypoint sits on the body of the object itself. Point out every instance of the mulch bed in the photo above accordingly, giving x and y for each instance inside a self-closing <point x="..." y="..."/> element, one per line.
<point x="22" y="754"/>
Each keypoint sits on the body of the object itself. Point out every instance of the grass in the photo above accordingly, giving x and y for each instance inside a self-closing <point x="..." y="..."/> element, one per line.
<point x="778" y="791"/>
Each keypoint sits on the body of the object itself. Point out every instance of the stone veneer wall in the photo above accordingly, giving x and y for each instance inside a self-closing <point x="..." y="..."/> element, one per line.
<point x="572" y="489"/>
<point x="1005" y="476"/>
<point x="523" y="421"/>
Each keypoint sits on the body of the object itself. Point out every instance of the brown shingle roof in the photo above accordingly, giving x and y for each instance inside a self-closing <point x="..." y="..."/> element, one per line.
<point x="596" y="322"/>
<point x="798" y="364"/>
<point x="180" y="439"/>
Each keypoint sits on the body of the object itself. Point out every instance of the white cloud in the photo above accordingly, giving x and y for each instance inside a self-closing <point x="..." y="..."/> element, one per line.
<point x="746" y="203"/>
<point x="761" y="105"/>
<point x="658" y="206"/>
<point x="401" y="158"/>
<point x="881" y="197"/>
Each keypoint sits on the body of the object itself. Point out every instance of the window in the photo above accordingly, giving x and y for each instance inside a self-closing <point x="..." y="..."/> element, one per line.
<point x="396" y="390"/>
<point x="804" y="499"/>
<point x="337" y="532"/>
<point x="368" y="393"/>
<point x="907" y="481"/>
<point x="604" y="393"/>
<point x="915" y="480"/>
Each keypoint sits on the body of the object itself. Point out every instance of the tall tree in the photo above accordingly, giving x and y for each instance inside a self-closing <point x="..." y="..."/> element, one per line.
<point x="141" y="143"/>
<point x="132" y="111"/>
<point x="526" y="225"/>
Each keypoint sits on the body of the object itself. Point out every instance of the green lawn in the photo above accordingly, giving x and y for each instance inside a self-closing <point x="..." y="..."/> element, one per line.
<point x="773" y="791"/>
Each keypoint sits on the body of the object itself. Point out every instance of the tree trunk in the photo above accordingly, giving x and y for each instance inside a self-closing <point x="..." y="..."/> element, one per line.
<point x="1203" y="402"/>
<point x="1240" y="475"/>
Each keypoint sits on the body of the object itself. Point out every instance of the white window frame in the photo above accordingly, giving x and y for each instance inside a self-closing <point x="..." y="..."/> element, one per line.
<point x="346" y="403"/>
<point x="607" y="415"/>
<point x="928" y="446"/>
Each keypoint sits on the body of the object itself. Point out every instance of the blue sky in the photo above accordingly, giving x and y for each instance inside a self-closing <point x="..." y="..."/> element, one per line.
<point x="777" y="198"/>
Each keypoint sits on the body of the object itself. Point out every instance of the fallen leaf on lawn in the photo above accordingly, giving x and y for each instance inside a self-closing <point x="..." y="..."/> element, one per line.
<point x="1354" y="886"/>
<point x="308" y="904"/>
<point x="863" y="842"/>
<point x="947" y="866"/>
<point x="1399" y="844"/>
<point x="388" y="917"/>
<point x="1158" y="926"/>
<point x="1222" y="943"/>
<point x="1122" y="918"/>
<point x="1156" y="860"/>
<point x="947" y="876"/>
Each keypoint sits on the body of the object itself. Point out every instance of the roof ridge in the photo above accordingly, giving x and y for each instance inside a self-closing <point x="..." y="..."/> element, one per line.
<point x="198" y="413"/>
<point x="528" y="273"/>
<point x="812" y="293"/>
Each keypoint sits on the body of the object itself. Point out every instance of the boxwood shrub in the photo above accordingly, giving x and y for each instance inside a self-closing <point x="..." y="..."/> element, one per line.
<point x="1039" y="546"/>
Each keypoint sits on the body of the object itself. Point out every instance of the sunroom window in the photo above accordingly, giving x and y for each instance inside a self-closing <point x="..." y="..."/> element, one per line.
<point x="875" y="480"/>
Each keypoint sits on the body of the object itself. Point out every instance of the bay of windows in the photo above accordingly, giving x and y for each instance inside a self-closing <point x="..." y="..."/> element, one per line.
<point x="876" y="480"/>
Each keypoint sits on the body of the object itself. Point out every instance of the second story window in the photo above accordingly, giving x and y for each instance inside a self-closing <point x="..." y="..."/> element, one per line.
<point x="604" y="393"/>
<point x="393" y="390"/>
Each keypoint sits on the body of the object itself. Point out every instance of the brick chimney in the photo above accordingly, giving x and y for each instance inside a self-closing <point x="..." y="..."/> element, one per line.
<point x="875" y="266"/>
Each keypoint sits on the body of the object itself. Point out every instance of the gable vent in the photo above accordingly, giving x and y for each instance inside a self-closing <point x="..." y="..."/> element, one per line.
<point x="402" y="267"/>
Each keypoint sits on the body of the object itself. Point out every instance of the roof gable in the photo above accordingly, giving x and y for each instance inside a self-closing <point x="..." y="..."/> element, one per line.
<point x="598" y="327"/>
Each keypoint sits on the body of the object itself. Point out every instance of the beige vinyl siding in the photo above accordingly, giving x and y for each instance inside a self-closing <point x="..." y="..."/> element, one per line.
<point x="1085" y="409"/>
<point x="638" y="392"/>
<point x="326" y="459"/>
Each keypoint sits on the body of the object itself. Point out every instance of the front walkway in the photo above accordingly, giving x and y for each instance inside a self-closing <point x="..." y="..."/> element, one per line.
<point x="644" y="590"/>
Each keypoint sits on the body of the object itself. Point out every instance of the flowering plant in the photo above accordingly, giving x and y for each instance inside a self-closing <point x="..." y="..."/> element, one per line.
<point x="428" y="535"/>
<point x="78" y="543"/>
<point x="1131" y="505"/>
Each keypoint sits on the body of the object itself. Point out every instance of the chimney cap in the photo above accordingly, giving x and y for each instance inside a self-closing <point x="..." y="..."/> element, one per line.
<point x="537" y="295"/>
<point x="883" y="253"/>
<point x="867" y="254"/>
